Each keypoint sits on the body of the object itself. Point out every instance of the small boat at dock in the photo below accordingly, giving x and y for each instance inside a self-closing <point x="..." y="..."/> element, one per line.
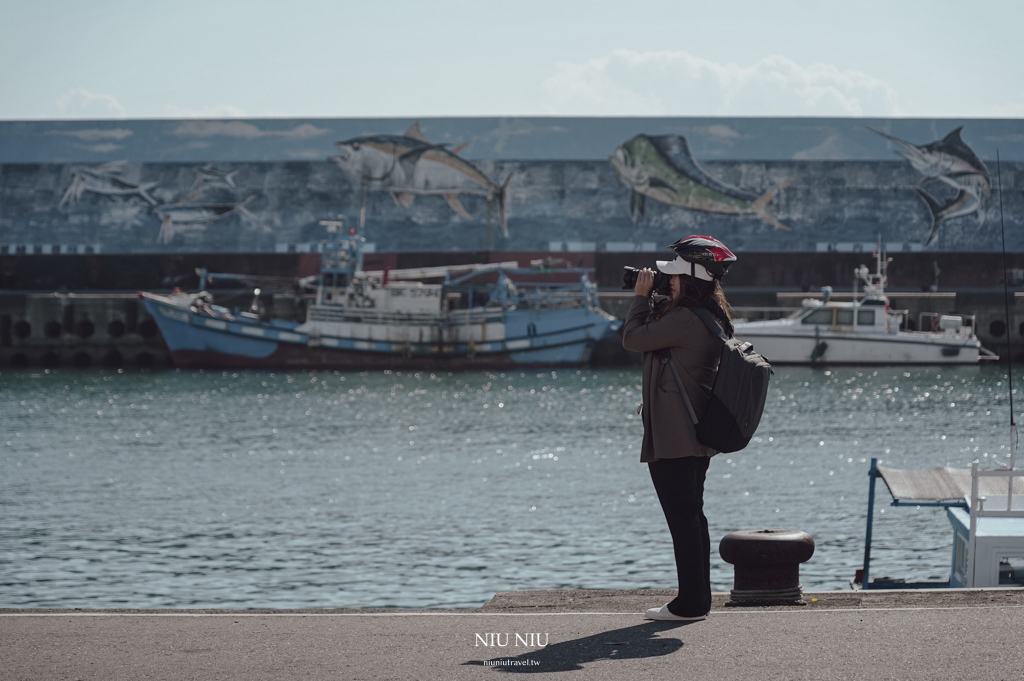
<point x="480" y="316"/>
<point x="985" y="508"/>
<point x="863" y="331"/>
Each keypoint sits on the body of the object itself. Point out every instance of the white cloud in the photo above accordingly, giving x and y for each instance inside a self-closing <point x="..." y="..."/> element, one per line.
<point x="722" y="131"/>
<point x="677" y="83"/>
<point x="306" y="154"/>
<point x="104" y="148"/>
<point x="244" y="130"/>
<point x="95" y="134"/>
<point x="831" y="148"/>
<point x="80" y="103"/>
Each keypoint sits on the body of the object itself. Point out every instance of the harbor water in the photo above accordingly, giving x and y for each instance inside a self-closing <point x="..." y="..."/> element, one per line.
<point x="321" y="489"/>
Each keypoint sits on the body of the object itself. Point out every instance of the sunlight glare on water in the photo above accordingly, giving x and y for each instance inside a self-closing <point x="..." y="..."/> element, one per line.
<point x="321" y="489"/>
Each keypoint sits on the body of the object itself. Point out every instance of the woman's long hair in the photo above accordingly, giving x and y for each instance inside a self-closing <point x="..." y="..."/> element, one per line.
<point x="699" y="293"/>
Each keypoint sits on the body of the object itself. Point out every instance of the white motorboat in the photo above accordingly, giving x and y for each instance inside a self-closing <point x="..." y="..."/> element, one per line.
<point x="863" y="331"/>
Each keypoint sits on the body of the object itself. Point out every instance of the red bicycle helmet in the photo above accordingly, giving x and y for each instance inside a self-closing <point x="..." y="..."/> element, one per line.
<point x="701" y="257"/>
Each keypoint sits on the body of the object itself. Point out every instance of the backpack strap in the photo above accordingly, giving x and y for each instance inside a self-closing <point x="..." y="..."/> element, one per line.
<point x="666" y="358"/>
<point x="710" y="321"/>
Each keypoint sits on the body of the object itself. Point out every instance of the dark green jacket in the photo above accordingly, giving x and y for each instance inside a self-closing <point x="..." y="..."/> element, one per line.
<point x="668" y="430"/>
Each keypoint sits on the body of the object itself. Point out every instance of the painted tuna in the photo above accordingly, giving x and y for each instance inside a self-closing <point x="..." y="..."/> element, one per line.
<point x="409" y="165"/>
<point x="189" y="214"/>
<point x="662" y="168"/>
<point x="104" y="179"/>
<point x="952" y="162"/>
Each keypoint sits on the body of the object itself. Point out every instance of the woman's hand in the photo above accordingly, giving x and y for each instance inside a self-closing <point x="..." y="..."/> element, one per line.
<point x="644" y="282"/>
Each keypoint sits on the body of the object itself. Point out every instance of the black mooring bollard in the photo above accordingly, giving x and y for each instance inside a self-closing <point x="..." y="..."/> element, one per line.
<point x="767" y="565"/>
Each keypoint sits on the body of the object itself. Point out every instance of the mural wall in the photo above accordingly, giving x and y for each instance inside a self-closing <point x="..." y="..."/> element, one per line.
<point x="415" y="192"/>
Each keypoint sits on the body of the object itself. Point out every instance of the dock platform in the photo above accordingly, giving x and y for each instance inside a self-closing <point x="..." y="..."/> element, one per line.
<point x="599" y="635"/>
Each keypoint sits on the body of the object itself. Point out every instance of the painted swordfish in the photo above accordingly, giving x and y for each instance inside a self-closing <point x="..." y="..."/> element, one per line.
<point x="662" y="168"/>
<point x="952" y="162"/>
<point x="409" y="165"/>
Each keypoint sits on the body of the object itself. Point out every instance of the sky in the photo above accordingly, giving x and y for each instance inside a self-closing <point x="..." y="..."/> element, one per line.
<point x="311" y="58"/>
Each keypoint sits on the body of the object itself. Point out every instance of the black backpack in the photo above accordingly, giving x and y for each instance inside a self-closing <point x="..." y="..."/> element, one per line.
<point x="737" y="395"/>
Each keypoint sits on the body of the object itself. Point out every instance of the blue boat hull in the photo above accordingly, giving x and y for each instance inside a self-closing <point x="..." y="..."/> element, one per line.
<point x="541" y="338"/>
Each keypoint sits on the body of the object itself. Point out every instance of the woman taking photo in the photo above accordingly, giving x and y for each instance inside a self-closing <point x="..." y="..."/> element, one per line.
<point x="671" y="333"/>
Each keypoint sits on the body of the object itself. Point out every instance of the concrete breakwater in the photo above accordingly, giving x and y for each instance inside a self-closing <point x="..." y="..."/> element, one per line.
<point x="79" y="330"/>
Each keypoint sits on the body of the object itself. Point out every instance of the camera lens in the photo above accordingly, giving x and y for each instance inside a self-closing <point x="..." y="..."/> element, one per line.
<point x="662" y="281"/>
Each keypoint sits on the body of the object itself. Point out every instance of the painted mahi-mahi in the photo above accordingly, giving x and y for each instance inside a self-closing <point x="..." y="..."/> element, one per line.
<point x="663" y="168"/>
<point x="409" y="165"/>
<point x="952" y="162"/>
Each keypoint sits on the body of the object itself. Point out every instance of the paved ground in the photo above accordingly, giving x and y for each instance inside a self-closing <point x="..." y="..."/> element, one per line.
<point x="601" y="635"/>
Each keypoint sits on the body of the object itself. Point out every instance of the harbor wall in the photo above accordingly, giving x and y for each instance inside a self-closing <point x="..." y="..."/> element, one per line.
<point x="914" y="271"/>
<point x="78" y="330"/>
<point x="91" y="211"/>
<point x="533" y="184"/>
<point x="551" y="205"/>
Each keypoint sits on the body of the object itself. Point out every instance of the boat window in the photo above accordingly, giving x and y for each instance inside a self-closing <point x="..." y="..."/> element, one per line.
<point x="844" y="317"/>
<point x="1011" y="571"/>
<point x="819" y="317"/>
<point x="866" y="317"/>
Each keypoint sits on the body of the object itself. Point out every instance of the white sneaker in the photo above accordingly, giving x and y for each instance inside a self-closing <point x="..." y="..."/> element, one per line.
<point x="663" y="613"/>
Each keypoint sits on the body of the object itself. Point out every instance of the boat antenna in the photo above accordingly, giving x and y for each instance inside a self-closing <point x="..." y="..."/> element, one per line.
<point x="1006" y="303"/>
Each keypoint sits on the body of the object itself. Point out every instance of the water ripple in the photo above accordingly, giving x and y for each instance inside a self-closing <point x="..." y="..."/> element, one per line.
<point x="321" y="489"/>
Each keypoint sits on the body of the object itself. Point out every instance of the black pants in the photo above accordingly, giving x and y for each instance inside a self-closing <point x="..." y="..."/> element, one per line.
<point x="680" y="487"/>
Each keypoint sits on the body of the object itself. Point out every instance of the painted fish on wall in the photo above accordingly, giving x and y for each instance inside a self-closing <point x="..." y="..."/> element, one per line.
<point x="952" y="162"/>
<point x="104" y="179"/>
<point x="210" y="174"/>
<point x="409" y="165"/>
<point x="661" y="167"/>
<point x="193" y="212"/>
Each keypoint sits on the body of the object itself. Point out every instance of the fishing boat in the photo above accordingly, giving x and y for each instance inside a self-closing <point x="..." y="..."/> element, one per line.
<point x="481" y="316"/>
<point x="863" y="331"/>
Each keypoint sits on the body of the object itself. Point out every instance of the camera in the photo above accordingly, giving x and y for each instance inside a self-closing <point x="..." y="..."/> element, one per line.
<point x="662" y="281"/>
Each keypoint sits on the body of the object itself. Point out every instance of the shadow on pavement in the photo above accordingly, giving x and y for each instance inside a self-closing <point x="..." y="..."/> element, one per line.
<point x="618" y="644"/>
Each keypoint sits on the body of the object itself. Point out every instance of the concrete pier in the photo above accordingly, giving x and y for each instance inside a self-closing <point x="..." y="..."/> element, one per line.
<point x="597" y="635"/>
<point x="50" y="330"/>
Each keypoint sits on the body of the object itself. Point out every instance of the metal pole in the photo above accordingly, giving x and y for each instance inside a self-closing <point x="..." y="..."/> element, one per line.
<point x="873" y="474"/>
<point x="1013" y="463"/>
<point x="1009" y="359"/>
<point x="972" y="541"/>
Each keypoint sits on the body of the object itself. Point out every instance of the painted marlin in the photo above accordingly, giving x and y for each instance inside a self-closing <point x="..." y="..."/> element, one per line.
<point x="104" y="179"/>
<point x="409" y="165"/>
<point x="952" y="162"/>
<point x="209" y="174"/>
<point x="662" y="168"/>
<point x="188" y="213"/>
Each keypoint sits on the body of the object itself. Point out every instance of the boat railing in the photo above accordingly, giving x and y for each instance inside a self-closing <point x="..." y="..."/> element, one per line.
<point x="338" y="314"/>
<point x="551" y="299"/>
<point x="940" y="323"/>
